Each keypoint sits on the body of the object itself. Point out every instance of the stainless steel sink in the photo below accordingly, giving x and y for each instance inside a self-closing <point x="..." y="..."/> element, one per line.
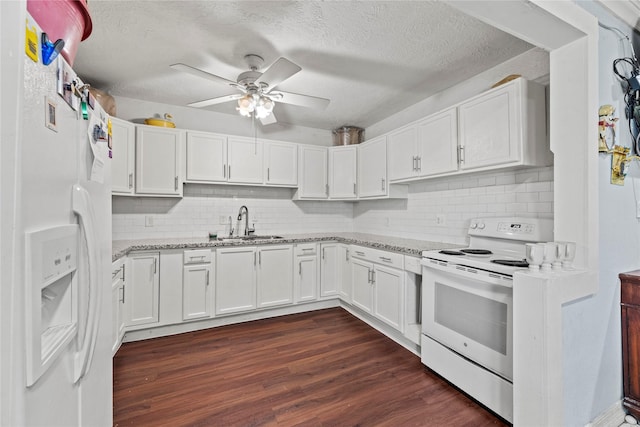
<point x="250" y="238"/>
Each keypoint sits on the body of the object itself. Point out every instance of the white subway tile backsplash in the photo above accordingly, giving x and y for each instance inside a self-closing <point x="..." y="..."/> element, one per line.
<point x="526" y="193"/>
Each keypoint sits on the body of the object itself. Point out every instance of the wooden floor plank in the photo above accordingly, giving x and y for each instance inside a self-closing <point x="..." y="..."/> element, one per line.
<point x="323" y="368"/>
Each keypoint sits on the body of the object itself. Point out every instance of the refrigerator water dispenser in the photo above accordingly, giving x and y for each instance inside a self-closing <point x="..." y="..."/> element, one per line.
<point x="51" y="295"/>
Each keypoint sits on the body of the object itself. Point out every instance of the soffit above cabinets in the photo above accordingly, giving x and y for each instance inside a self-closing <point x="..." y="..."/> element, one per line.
<point x="370" y="58"/>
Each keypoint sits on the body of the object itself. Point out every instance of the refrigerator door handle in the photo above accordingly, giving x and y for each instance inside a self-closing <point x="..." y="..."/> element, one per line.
<point x="83" y="207"/>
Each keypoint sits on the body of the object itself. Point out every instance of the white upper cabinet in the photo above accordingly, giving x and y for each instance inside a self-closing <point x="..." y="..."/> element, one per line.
<point x="342" y="172"/>
<point x="504" y="126"/>
<point x="372" y="168"/>
<point x="402" y="153"/>
<point x="312" y="172"/>
<point x="123" y="136"/>
<point x="245" y="160"/>
<point x="157" y="161"/>
<point x="437" y="144"/>
<point x="206" y="157"/>
<point x="280" y="163"/>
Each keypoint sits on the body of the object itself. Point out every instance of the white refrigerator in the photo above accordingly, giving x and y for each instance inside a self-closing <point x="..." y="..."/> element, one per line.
<point x="55" y="305"/>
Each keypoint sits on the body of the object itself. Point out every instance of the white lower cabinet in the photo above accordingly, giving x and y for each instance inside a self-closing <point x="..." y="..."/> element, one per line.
<point x="378" y="289"/>
<point x="197" y="285"/>
<point x="235" y="279"/>
<point x="306" y="272"/>
<point x="143" y="290"/>
<point x="118" y="272"/>
<point x="330" y="269"/>
<point x="344" y="290"/>
<point x="275" y="275"/>
<point x="388" y="296"/>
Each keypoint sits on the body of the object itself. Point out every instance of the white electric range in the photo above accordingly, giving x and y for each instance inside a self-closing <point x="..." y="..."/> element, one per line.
<point x="467" y="307"/>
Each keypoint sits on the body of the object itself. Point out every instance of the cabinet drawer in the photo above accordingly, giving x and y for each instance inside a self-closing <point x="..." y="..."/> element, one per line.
<point x="412" y="264"/>
<point x="306" y="249"/>
<point x="378" y="256"/>
<point x="197" y="256"/>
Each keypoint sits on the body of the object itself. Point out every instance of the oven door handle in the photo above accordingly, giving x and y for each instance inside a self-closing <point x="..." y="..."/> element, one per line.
<point x="467" y="272"/>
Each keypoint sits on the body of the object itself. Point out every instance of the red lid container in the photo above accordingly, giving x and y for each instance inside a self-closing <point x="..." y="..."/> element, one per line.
<point x="68" y="20"/>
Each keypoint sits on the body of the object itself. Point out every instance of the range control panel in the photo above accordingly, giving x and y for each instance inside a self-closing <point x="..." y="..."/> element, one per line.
<point x="529" y="229"/>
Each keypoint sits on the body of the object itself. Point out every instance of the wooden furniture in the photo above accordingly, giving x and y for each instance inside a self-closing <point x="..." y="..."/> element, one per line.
<point x="630" y="311"/>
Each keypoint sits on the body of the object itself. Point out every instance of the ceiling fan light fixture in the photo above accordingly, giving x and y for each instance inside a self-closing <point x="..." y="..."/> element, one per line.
<point x="260" y="105"/>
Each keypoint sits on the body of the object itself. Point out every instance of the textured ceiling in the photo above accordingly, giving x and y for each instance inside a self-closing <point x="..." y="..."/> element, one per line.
<point x="370" y="58"/>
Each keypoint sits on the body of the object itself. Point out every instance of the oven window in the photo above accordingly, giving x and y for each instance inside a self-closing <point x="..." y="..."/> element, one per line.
<point x="478" y="318"/>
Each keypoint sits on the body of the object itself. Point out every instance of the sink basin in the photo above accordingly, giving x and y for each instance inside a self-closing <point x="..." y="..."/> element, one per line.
<point x="250" y="237"/>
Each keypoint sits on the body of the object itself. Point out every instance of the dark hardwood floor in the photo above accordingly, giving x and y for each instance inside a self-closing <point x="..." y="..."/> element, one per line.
<point x="322" y="368"/>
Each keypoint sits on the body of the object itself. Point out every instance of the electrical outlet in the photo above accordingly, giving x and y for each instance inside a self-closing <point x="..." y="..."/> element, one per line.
<point x="441" y="220"/>
<point x="148" y="221"/>
<point x="223" y="219"/>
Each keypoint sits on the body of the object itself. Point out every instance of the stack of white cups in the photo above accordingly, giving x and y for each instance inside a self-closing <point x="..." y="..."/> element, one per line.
<point x="550" y="256"/>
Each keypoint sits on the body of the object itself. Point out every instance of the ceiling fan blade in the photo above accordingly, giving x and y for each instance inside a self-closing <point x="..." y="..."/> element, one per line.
<point x="270" y="119"/>
<point x="301" y="100"/>
<point x="214" y="101"/>
<point x="278" y="72"/>
<point x="200" y="73"/>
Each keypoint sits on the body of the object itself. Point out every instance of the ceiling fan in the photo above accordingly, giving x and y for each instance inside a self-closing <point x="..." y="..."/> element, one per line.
<point x="257" y="96"/>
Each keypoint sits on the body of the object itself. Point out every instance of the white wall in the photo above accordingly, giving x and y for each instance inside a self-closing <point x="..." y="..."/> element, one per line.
<point x="525" y="192"/>
<point x="600" y="379"/>
<point x="199" y="212"/>
<point x="136" y="110"/>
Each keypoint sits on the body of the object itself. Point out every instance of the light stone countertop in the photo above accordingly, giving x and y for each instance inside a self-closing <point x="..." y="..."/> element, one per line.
<point x="413" y="247"/>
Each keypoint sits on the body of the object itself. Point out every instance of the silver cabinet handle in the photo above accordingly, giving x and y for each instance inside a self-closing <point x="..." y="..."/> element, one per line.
<point x="415" y="162"/>
<point x="123" y="272"/>
<point x="385" y="259"/>
<point x="254" y="258"/>
<point x="175" y="183"/>
<point x="359" y="253"/>
<point x="461" y="154"/>
<point x="155" y="265"/>
<point x="130" y="180"/>
<point x="373" y="277"/>
<point x="207" y="277"/>
<point x="229" y="171"/>
<point x="122" y="293"/>
<point x="419" y="163"/>
<point x="308" y="249"/>
<point x="260" y="258"/>
<point x="354" y="188"/>
<point x="323" y="252"/>
<point x="369" y="276"/>
<point x="383" y="184"/>
<point x="346" y="255"/>
<point x="300" y="268"/>
<point x="268" y="174"/>
<point x="326" y="189"/>
<point x="224" y="171"/>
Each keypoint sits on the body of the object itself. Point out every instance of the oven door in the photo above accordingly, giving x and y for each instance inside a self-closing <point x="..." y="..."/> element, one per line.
<point x="470" y="312"/>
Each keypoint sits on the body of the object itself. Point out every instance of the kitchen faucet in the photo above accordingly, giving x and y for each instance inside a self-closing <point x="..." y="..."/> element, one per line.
<point x="247" y="230"/>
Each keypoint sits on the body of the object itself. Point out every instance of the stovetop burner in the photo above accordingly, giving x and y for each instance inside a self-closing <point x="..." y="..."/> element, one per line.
<point x="476" y="251"/>
<point x="450" y="252"/>
<point x="511" y="262"/>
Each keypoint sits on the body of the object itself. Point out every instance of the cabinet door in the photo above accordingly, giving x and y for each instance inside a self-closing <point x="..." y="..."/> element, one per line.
<point x="306" y="278"/>
<point x="123" y="137"/>
<point x="245" y="160"/>
<point x="489" y="128"/>
<point x="438" y="143"/>
<point x="206" y="157"/>
<point x="143" y="289"/>
<point x="362" y="291"/>
<point x="388" y="284"/>
<point x="372" y="168"/>
<point x="157" y="161"/>
<point x="345" y="273"/>
<point x="235" y="280"/>
<point x="402" y="153"/>
<point x="342" y="172"/>
<point x="281" y="164"/>
<point x="196" y="292"/>
<point x="117" y="287"/>
<point x="312" y="182"/>
<point x="275" y="275"/>
<point x="330" y="269"/>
